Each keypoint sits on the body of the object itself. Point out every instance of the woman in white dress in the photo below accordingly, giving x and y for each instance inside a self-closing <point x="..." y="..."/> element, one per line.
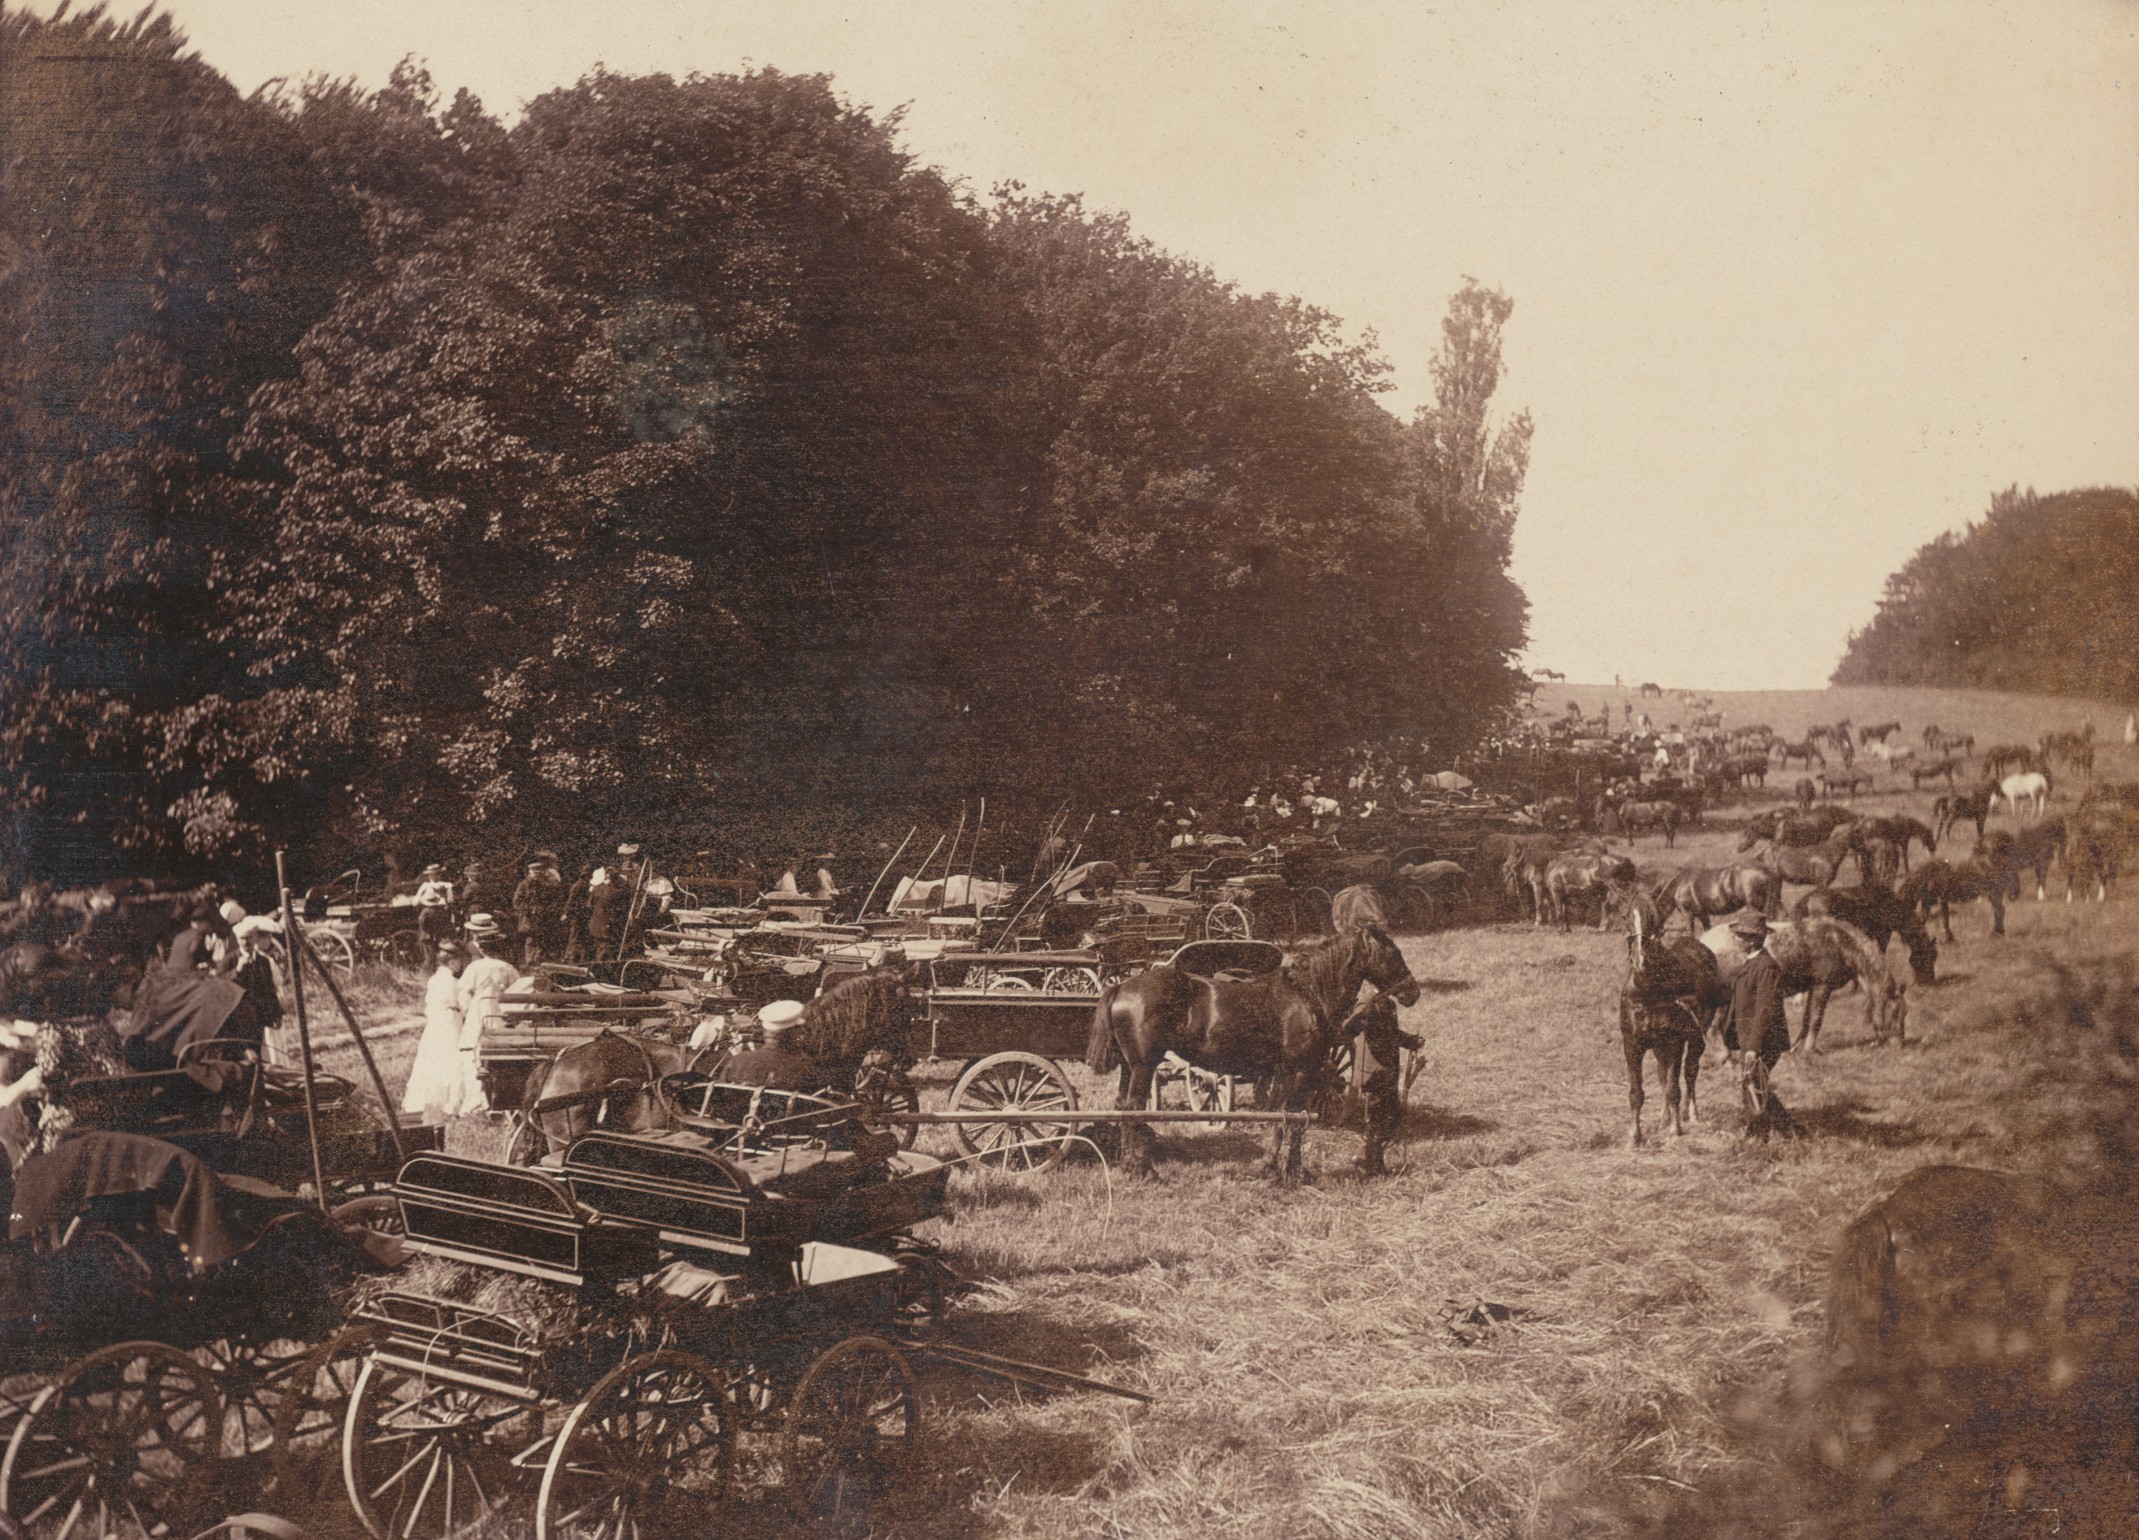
<point x="434" y="1081"/>
<point x="482" y="989"/>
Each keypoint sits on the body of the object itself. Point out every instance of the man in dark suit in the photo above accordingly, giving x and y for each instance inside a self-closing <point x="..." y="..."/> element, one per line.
<point x="1754" y="1023"/>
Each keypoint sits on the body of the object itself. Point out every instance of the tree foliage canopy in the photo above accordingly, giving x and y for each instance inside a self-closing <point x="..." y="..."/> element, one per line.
<point x="2041" y="595"/>
<point x="381" y="471"/>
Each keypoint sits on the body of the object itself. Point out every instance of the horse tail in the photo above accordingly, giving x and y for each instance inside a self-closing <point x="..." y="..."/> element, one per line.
<point x="1101" y="1051"/>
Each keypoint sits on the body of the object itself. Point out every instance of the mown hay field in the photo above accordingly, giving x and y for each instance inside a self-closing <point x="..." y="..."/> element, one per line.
<point x="1662" y="1302"/>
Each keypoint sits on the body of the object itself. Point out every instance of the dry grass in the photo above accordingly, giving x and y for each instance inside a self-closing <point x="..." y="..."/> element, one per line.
<point x="1296" y="1340"/>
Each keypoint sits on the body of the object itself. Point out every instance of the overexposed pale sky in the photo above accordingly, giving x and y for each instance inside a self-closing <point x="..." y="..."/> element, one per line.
<point x="1797" y="285"/>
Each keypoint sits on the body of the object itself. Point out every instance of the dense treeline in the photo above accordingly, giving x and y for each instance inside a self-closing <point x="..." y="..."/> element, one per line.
<point x="377" y="472"/>
<point x="2042" y="596"/>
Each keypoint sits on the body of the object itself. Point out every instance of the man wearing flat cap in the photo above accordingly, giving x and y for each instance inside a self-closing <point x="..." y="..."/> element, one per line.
<point x="1754" y="1021"/>
<point x="538" y="910"/>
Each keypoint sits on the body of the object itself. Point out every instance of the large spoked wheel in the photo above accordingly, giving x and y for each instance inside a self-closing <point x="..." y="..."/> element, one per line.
<point x="1015" y="1082"/>
<point x="1336" y="1102"/>
<point x="650" y="1451"/>
<point x="336" y="950"/>
<point x="850" y="1429"/>
<point x="878" y="1091"/>
<point x="1070" y="981"/>
<point x="306" y="1455"/>
<point x="404" y="949"/>
<point x="427" y="1459"/>
<point x="251" y="1379"/>
<point x="117" y="1447"/>
<point x="1227" y="922"/>
<point x="1179" y="1084"/>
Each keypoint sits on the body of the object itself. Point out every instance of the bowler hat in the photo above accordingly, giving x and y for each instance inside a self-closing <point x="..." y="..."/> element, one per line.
<point x="1749" y="922"/>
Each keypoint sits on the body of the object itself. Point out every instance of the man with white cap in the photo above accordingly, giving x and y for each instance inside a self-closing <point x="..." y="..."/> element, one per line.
<point x="1754" y="1022"/>
<point x="775" y="1065"/>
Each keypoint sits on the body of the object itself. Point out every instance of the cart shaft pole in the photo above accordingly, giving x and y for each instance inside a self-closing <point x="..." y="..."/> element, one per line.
<point x="1094" y="1115"/>
<point x="304" y="1029"/>
<point x="378" y="1081"/>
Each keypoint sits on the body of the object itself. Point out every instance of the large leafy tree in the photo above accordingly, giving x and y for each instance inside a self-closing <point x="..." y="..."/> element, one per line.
<point x="2036" y="596"/>
<point x="163" y="243"/>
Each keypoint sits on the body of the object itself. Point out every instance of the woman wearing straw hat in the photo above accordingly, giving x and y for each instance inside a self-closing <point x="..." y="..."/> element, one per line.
<point x="482" y="988"/>
<point x="435" y="1080"/>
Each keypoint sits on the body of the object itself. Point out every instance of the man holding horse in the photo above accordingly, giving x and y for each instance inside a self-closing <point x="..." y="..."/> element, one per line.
<point x="1754" y="1023"/>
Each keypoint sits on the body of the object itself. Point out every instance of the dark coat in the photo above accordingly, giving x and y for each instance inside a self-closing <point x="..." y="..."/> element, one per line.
<point x="1755" y="1018"/>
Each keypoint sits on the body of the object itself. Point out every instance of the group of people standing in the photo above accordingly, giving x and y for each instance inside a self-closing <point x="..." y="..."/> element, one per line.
<point x="463" y="998"/>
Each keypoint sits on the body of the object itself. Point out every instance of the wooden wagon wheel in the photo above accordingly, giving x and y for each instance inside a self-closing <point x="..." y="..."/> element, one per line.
<point x="650" y="1451"/>
<point x="1227" y="922"/>
<point x="880" y="1089"/>
<point x="116" y="1447"/>
<point x="1070" y="981"/>
<point x="336" y="950"/>
<point x="1009" y="984"/>
<point x="425" y="1458"/>
<point x="251" y="1379"/>
<point x="1015" y="1082"/>
<point x="1201" y="1090"/>
<point x="849" y="1430"/>
<point x="1416" y="909"/>
<point x="307" y="1436"/>
<point x="375" y="1213"/>
<point x="1336" y="1102"/>
<point x="403" y="948"/>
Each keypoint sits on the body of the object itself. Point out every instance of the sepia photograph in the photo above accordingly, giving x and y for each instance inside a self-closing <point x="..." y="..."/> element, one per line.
<point x="995" y="770"/>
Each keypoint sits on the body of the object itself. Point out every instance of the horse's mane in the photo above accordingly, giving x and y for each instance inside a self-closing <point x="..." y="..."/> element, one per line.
<point x="1317" y="967"/>
<point x="851" y="1017"/>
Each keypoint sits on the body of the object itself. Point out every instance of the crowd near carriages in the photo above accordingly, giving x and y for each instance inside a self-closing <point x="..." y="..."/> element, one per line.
<point x="709" y="1062"/>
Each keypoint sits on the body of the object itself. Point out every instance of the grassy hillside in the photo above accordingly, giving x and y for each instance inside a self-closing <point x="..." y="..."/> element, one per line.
<point x="1992" y="716"/>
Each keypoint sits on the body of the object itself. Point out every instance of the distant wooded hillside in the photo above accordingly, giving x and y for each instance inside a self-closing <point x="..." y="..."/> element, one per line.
<point x="2042" y="595"/>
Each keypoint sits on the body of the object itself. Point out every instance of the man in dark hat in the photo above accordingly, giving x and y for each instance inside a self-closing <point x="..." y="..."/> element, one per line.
<point x="1754" y="1022"/>
<point x="538" y="910"/>
<point x="609" y="894"/>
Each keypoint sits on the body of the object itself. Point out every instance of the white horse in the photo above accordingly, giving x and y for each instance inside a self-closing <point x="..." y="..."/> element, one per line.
<point x="2030" y="784"/>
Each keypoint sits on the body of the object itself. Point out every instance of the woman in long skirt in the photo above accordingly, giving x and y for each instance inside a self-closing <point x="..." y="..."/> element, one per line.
<point x="434" y="1083"/>
<point x="482" y="989"/>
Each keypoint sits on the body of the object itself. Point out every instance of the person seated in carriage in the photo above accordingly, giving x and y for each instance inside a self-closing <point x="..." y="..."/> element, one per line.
<point x="774" y="1065"/>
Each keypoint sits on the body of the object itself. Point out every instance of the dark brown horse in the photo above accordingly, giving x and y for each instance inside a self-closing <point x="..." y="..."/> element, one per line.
<point x="1671" y="990"/>
<point x="1971" y="805"/>
<point x="1942" y="884"/>
<point x="1283" y="1027"/>
<point x="1881" y="914"/>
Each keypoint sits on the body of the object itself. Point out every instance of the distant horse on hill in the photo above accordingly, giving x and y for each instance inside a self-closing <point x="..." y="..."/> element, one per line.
<point x="1971" y="805"/>
<point x="2027" y="786"/>
<point x="1942" y="884"/>
<point x="1932" y="770"/>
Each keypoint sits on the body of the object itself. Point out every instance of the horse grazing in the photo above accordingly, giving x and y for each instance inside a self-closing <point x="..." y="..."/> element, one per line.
<point x="1847" y="784"/>
<point x="1700" y="892"/>
<point x="1284" y="1026"/>
<point x="1944" y="884"/>
<point x="1584" y="871"/>
<point x="2036" y="847"/>
<point x="1806" y="792"/>
<point x="1661" y="816"/>
<point x="1356" y="908"/>
<point x="1971" y="805"/>
<point x="1819" y="955"/>
<point x="1648" y="689"/>
<point x="1815" y="865"/>
<point x="1780" y="826"/>
<point x="2029" y="785"/>
<point x="1806" y="751"/>
<point x="2002" y="758"/>
<point x="1877" y="733"/>
<point x="1671" y="991"/>
<point x="1882" y="915"/>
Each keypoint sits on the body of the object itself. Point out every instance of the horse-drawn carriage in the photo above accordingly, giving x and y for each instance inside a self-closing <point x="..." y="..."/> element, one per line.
<point x="651" y="1333"/>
